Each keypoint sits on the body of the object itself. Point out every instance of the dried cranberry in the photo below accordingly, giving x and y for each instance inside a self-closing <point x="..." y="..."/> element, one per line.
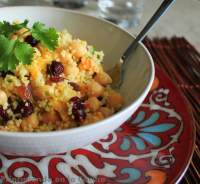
<point x="75" y="86"/>
<point x="77" y="102"/>
<point x="32" y="41"/>
<point x="94" y="74"/>
<point x="25" y="108"/>
<point x="10" y="104"/>
<point x="55" y="68"/>
<point x="75" y="99"/>
<point x="79" y="114"/>
<point x="3" y="115"/>
<point x="78" y="105"/>
<point x="78" y="109"/>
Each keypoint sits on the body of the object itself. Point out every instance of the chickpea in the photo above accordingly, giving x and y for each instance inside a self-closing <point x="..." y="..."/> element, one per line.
<point x="103" y="78"/>
<point x="115" y="100"/>
<point x="29" y="123"/>
<point x="22" y="33"/>
<point x="50" y="117"/>
<point x="71" y="69"/>
<point x="62" y="110"/>
<point x="11" y="125"/>
<point x="64" y="38"/>
<point x="3" y="98"/>
<point x="78" y="48"/>
<point x="97" y="116"/>
<point x="37" y="78"/>
<point x="95" y="89"/>
<point x="106" y="111"/>
<point x="42" y="92"/>
<point x="64" y="55"/>
<point x="38" y="93"/>
<point x="93" y="117"/>
<point x="93" y="104"/>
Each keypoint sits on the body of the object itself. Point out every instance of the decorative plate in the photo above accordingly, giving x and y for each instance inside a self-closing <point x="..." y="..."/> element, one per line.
<point x="153" y="147"/>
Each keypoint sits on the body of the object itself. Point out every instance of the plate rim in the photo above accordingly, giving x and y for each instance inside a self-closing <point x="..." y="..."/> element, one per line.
<point x="186" y="165"/>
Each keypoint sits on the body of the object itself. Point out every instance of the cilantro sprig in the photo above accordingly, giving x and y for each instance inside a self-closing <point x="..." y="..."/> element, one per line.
<point x="14" y="52"/>
<point x="8" y="29"/>
<point x="47" y="36"/>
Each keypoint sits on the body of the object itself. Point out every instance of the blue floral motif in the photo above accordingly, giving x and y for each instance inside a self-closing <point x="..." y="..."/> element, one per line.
<point x="146" y="131"/>
<point x="133" y="175"/>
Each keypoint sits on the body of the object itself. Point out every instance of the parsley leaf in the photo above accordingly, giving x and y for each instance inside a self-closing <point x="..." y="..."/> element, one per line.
<point x="47" y="36"/>
<point x="8" y="29"/>
<point x="14" y="52"/>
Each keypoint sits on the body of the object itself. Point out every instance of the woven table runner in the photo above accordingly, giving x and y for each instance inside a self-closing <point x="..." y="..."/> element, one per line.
<point x="181" y="61"/>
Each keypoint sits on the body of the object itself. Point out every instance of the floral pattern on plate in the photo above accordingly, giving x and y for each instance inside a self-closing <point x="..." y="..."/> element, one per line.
<point x="154" y="146"/>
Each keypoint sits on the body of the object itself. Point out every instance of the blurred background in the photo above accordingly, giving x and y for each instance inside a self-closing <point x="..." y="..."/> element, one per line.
<point x="181" y="20"/>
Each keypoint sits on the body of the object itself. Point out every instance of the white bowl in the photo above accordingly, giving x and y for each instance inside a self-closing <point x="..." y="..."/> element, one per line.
<point x="104" y="36"/>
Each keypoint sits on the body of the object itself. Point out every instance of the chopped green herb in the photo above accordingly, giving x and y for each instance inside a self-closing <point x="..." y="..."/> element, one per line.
<point x="47" y="36"/>
<point x="8" y="29"/>
<point x="93" y="50"/>
<point x="14" y="52"/>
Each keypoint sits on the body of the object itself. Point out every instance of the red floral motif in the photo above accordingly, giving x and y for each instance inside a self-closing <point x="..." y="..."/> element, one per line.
<point x="106" y="161"/>
<point x="25" y="177"/>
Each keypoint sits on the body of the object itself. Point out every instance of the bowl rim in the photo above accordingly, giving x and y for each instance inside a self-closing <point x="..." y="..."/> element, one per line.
<point x="96" y="124"/>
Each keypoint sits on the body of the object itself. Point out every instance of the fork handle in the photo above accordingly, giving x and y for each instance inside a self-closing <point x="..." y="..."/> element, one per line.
<point x="161" y="10"/>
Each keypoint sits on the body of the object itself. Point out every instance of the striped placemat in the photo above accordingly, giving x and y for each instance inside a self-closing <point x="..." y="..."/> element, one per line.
<point x="181" y="61"/>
